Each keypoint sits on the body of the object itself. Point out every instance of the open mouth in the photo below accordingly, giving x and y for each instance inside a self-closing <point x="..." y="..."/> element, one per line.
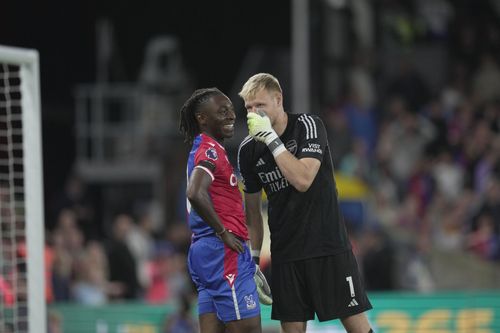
<point x="229" y="127"/>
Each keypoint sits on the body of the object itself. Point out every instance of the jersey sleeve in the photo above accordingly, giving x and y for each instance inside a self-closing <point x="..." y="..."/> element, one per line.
<point x="312" y="140"/>
<point x="251" y="181"/>
<point x="206" y="158"/>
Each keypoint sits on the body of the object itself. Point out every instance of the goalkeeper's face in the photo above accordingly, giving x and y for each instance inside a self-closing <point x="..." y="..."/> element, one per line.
<point x="217" y="117"/>
<point x="269" y="102"/>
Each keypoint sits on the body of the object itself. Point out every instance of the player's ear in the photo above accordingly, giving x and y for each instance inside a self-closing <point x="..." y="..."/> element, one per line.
<point x="201" y="118"/>
<point x="279" y="99"/>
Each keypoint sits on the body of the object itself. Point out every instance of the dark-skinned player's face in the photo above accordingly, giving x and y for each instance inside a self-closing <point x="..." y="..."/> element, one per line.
<point x="217" y="117"/>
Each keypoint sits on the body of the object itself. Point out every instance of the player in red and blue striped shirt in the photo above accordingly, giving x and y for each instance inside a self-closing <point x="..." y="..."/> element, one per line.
<point x="219" y="259"/>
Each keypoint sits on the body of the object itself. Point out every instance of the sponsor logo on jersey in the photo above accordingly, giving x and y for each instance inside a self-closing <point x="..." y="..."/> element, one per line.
<point x="291" y="146"/>
<point x="313" y="148"/>
<point x="274" y="179"/>
<point x="211" y="153"/>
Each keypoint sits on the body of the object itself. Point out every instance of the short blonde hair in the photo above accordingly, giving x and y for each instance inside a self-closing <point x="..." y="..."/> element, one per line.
<point x="258" y="82"/>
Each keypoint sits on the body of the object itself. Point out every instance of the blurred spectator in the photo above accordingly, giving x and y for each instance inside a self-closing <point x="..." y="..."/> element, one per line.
<point x="91" y="272"/>
<point x="486" y="80"/>
<point x="402" y="142"/>
<point x="408" y="84"/>
<point x="454" y="92"/>
<point x="54" y="322"/>
<point x="169" y="278"/>
<point x="158" y="290"/>
<point x="449" y="176"/>
<point x="182" y="321"/>
<point x="357" y="163"/>
<point x="361" y="82"/>
<point x="179" y="235"/>
<point x="490" y="204"/>
<point x="140" y="241"/>
<point x="74" y="197"/>
<point x="339" y="134"/>
<point x="378" y="263"/>
<point x="361" y="121"/>
<point x="436" y="15"/>
<point x="484" y="241"/>
<point x="122" y="265"/>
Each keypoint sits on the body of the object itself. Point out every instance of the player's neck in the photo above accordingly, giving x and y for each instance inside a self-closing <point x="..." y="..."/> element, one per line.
<point x="220" y="141"/>
<point x="280" y="124"/>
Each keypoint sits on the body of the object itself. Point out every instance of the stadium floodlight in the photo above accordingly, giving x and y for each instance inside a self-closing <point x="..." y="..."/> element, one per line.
<point x="22" y="276"/>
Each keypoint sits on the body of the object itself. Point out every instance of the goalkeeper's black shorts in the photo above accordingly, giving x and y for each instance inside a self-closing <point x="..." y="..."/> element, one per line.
<point x="329" y="286"/>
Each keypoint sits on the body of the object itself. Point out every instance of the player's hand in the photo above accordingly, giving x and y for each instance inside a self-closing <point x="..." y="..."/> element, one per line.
<point x="259" y="127"/>
<point x="231" y="241"/>
<point x="263" y="288"/>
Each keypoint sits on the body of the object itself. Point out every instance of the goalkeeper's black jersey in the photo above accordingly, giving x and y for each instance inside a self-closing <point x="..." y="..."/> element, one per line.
<point x="303" y="225"/>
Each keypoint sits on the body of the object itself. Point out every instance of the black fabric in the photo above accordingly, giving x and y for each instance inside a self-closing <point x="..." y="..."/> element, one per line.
<point x="302" y="225"/>
<point x="318" y="286"/>
<point x="207" y="164"/>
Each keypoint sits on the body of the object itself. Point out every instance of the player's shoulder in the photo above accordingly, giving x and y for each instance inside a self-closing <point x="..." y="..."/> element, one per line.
<point x="210" y="150"/>
<point x="309" y="123"/>
<point x="247" y="144"/>
<point x="306" y="118"/>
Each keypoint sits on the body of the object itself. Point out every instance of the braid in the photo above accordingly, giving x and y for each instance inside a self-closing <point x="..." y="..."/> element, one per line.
<point x="188" y="124"/>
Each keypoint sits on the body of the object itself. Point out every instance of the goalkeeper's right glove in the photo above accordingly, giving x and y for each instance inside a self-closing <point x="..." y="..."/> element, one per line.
<point x="263" y="288"/>
<point x="260" y="128"/>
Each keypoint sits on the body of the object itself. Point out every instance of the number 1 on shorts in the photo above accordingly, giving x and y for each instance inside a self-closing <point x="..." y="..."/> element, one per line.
<point x="351" y="286"/>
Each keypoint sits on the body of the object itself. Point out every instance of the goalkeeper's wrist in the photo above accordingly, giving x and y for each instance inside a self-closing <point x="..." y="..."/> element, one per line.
<point x="276" y="146"/>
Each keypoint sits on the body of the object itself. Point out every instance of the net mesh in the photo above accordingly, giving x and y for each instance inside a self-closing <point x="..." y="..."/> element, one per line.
<point x="13" y="277"/>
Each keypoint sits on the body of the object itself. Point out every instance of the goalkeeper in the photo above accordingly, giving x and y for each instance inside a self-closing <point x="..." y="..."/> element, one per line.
<point x="313" y="268"/>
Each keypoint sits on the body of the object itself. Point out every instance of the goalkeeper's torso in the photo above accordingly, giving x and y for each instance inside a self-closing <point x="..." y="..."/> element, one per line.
<point x="302" y="225"/>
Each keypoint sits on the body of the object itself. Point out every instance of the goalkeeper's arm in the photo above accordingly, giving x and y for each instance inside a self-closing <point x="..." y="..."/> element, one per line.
<point x="299" y="173"/>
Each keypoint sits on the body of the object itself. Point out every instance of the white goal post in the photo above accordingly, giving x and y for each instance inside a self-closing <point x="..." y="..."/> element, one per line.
<point x="22" y="275"/>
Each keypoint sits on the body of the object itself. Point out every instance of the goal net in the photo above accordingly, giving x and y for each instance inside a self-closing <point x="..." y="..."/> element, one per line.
<point x="22" y="302"/>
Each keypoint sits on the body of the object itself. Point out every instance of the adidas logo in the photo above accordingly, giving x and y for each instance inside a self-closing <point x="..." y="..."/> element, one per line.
<point x="353" y="303"/>
<point x="260" y="162"/>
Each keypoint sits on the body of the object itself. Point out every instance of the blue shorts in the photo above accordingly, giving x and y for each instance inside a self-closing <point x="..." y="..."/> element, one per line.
<point x="224" y="280"/>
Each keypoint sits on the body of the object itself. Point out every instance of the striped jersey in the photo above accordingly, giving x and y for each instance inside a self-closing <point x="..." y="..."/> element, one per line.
<point x="302" y="225"/>
<point x="224" y="192"/>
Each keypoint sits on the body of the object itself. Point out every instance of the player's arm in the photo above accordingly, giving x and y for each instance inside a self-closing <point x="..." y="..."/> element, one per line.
<point x="254" y="222"/>
<point x="198" y="196"/>
<point x="299" y="172"/>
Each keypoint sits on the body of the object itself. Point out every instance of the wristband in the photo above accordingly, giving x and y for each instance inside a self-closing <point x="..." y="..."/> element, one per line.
<point x="218" y="234"/>
<point x="255" y="253"/>
<point x="276" y="147"/>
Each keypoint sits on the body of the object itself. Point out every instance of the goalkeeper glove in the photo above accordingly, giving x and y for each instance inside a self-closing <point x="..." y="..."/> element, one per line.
<point x="263" y="288"/>
<point x="260" y="128"/>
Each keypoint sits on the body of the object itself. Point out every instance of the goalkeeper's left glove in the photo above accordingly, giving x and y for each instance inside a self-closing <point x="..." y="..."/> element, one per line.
<point x="260" y="128"/>
<point x="263" y="288"/>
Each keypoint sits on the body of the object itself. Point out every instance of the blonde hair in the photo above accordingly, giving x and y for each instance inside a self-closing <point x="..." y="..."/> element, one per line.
<point x="258" y="82"/>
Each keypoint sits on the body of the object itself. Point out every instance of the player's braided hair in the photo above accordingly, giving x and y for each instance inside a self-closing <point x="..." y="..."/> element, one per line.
<point x="188" y="125"/>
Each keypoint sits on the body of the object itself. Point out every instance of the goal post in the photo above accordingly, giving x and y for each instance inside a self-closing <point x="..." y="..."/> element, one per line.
<point x="21" y="193"/>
